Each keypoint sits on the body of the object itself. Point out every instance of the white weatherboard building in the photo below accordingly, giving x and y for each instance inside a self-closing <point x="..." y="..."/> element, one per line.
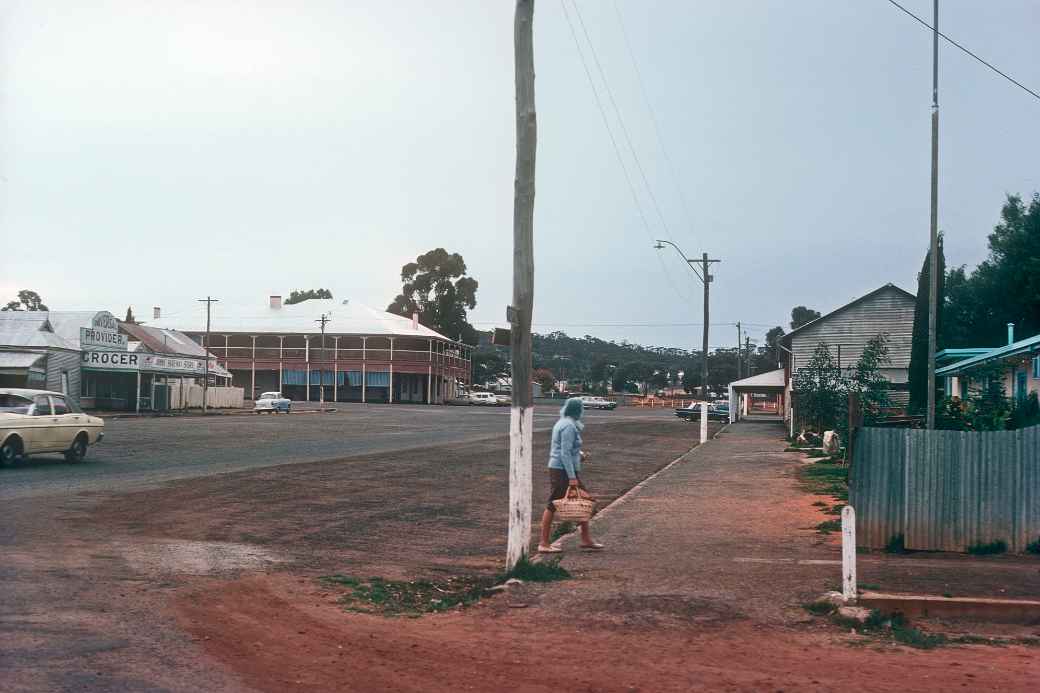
<point x="364" y="355"/>
<point x="887" y="310"/>
<point x="96" y="360"/>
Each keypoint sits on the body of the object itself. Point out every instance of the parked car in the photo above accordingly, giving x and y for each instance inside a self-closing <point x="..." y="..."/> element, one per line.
<point x="35" y="421"/>
<point x="273" y="402"/>
<point x="592" y="402"/>
<point x="503" y="400"/>
<point x="692" y="412"/>
<point x="485" y="399"/>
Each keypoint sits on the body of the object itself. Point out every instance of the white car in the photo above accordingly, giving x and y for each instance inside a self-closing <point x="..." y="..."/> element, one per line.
<point x="591" y="402"/>
<point x="486" y="399"/>
<point x="35" y="421"/>
<point x="273" y="402"/>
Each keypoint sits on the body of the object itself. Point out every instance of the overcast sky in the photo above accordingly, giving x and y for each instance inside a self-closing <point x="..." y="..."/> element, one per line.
<point x="152" y="153"/>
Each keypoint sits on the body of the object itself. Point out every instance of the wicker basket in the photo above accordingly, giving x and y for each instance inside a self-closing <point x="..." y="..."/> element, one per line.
<point x="574" y="507"/>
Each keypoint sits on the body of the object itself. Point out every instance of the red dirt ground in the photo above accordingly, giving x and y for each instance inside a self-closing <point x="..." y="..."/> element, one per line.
<point x="282" y="633"/>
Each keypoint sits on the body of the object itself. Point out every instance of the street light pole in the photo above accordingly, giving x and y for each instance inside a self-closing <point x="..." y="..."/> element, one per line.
<point x="706" y="278"/>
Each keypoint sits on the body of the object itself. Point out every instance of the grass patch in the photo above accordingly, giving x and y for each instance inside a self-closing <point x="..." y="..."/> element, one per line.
<point x="989" y="549"/>
<point x="562" y="529"/>
<point x="825" y="478"/>
<point x="1033" y="547"/>
<point x="376" y="595"/>
<point x="820" y="608"/>
<point x="828" y="526"/>
<point x="543" y="571"/>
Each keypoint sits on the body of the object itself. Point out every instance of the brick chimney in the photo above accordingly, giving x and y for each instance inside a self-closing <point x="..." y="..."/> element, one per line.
<point x="276" y="302"/>
<point x="156" y="313"/>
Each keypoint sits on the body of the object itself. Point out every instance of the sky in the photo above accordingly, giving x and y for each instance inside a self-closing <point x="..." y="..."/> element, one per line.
<point x="154" y="153"/>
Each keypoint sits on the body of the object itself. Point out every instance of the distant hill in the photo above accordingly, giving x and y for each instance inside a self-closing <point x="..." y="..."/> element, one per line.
<point x="590" y="362"/>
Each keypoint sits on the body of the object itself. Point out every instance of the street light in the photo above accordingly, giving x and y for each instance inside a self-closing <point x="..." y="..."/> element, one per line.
<point x="705" y="276"/>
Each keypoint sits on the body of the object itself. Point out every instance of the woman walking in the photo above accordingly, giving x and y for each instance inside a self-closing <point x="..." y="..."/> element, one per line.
<point x="565" y="456"/>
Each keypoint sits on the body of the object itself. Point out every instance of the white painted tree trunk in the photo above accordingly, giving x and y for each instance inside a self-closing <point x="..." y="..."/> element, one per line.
<point x="848" y="553"/>
<point x="521" y="417"/>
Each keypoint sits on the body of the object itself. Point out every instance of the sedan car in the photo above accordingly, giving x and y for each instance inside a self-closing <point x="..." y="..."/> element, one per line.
<point x="273" y="402"/>
<point x="486" y="399"/>
<point x="692" y="412"/>
<point x="36" y="421"/>
<point x="591" y="402"/>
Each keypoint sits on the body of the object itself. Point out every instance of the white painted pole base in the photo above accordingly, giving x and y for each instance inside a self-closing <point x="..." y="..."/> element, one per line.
<point x="848" y="553"/>
<point x="704" y="421"/>
<point x="521" y="427"/>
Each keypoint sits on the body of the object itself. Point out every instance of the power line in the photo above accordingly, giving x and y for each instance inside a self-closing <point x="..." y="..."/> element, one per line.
<point x="653" y="119"/>
<point x="621" y="120"/>
<point x="954" y="43"/>
<point x="617" y="149"/>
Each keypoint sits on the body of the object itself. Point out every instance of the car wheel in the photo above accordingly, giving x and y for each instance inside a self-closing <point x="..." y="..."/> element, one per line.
<point x="78" y="450"/>
<point x="10" y="451"/>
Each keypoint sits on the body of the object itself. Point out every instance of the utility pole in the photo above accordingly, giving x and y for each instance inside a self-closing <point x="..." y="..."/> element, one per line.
<point x="933" y="255"/>
<point x="209" y="301"/>
<point x="747" y="354"/>
<point x="706" y="278"/>
<point x="521" y="415"/>
<point x="739" y="376"/>
<point x="324" y="320"/>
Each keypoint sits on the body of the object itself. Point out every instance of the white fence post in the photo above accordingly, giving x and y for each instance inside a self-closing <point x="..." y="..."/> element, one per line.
<point x="704" y="421"/>
<point x="848" y="553"/>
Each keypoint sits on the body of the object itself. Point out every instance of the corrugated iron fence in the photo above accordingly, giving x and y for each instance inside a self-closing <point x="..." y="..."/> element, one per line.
<point x="946" y="490"/>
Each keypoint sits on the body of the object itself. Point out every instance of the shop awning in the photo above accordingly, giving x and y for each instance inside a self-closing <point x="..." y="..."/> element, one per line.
<point x="17" y="362"/>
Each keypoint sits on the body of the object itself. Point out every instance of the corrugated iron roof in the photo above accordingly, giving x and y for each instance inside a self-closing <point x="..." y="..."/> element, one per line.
<point x="20" y="359"/>
<point x="1026" y="345"/>
<point x="32" y="329"/>
<point x="162" y="341"/>
<point x="345" y="318"/>
<point x="769" y="379"/>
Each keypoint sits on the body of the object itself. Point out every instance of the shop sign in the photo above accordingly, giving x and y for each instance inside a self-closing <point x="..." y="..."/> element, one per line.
<point x="125" y="361"/>
<point x="103" y="333"/>
<point x="103" y="339"/>
<point x="111" y="360"/>
<point x="158" y="362"/>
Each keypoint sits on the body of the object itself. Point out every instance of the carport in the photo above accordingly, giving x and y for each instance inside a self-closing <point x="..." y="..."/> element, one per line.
<point x="742" y="395"/>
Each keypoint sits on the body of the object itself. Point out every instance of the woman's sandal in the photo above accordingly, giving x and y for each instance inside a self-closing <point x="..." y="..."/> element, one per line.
<point x="549" y="549"/>
<point x="594" y="546"/>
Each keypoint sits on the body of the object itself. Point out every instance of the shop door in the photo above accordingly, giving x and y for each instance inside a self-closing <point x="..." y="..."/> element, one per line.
<point x="162" y="397"/>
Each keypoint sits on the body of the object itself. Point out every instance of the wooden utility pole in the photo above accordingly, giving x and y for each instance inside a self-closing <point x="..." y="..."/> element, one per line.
<point x="707" y="279"/>
<point x="933" y="256"/>
<point x="323" y="320"/>
<point x="209" y="301"/>
<point x="521" y="415"/>
<point x="738" y="352"/>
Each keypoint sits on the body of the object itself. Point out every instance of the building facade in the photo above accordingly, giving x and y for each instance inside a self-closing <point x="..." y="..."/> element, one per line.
<point x="888" y="310"/>
<point x="1017" y="364"/>
<point x="98" y="361"/>
<point x="361" y="355"/>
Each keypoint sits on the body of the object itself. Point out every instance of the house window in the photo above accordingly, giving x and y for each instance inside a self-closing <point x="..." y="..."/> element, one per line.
<point x="1036" y="367"/>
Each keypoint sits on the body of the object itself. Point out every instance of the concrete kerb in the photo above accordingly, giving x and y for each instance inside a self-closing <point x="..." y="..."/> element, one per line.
<point x="627" y="495"/>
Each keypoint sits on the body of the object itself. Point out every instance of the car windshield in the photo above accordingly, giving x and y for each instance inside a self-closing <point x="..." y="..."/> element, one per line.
<point x="14" y="404"/>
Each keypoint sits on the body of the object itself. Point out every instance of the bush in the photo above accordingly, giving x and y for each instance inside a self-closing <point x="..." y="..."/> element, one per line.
<point x="993" y="547"/>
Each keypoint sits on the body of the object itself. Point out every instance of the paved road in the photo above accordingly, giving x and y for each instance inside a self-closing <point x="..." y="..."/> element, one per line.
<point x="142" y="452"/>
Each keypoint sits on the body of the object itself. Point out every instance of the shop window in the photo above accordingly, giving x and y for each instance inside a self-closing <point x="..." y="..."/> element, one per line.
<point x="1036" y="367"/>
